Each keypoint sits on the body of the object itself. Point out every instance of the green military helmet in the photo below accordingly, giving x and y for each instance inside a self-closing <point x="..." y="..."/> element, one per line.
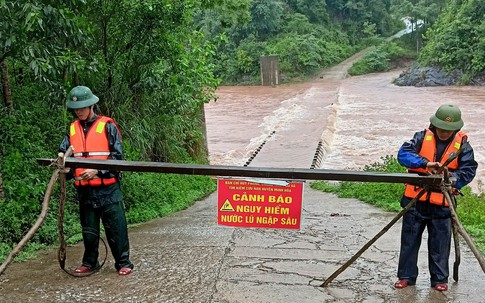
<point x="447" y="117"/>
<point x="80" y="97"/>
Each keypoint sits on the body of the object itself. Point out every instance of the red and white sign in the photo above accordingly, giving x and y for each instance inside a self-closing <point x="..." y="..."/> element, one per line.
<point x="242" y="203"/>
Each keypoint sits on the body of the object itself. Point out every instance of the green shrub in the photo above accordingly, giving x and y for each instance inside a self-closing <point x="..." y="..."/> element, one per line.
<point x="378" y="59"/>
<point x="471" y="210"/>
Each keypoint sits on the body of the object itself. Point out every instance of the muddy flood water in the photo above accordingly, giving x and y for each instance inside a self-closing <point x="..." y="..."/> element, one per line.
<point x="359" y="120"/>
<point x="186" y="257"/>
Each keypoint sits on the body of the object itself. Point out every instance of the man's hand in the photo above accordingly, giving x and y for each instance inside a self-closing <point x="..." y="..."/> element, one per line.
<point x="89" y="174"/>
<point x="434" y="167"/>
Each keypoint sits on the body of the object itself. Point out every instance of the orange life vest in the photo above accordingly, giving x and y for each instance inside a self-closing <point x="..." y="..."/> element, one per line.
<point x="93" y="145"/>
<point x="428" y="151"/>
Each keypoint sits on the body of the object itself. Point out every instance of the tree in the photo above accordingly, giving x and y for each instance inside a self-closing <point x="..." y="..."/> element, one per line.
<point x="456" y="40"/>
<point x="316" y="11"/>
<point x="266" y="17"/>
<point x="41" y="35"/>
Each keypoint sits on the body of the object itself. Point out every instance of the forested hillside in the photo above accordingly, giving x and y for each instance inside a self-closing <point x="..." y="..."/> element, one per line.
<point x="457" y="40"/>
<point x="154" y="63"/>
<point x="307" y="35"/>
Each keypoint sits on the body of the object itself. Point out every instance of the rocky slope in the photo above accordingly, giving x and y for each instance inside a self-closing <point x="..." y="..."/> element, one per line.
<point x="418" y="75"/>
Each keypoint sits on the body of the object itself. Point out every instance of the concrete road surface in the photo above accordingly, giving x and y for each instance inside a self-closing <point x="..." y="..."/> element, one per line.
<point x="188" y="258"/>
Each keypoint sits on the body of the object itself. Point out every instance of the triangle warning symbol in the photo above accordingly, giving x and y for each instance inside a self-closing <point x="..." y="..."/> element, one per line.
<point x="227" y="206"/>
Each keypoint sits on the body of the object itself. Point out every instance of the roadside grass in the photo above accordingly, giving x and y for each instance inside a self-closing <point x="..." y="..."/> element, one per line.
<point x="470" y="206"/>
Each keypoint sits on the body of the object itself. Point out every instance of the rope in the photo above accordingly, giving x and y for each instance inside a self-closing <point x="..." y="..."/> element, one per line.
<point x="62" y="252"/>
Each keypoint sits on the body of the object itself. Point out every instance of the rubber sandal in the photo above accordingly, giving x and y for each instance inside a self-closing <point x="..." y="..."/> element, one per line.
<point x="124" y="271"/>
<point x="441" y="287"/>
<point x="82" y="269"/>
<point x="401" y="284"/>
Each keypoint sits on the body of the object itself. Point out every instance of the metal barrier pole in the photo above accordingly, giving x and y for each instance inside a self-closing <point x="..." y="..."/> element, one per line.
<point x="258" y="172"/>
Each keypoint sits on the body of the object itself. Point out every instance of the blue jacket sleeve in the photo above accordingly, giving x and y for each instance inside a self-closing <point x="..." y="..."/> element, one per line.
<point x="467" y="167"/>
<point x="408" y="154"/>
<point x="114" y="139"/>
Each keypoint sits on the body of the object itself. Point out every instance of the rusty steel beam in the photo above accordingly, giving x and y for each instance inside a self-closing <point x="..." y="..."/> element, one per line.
<point x="257" y="172"/>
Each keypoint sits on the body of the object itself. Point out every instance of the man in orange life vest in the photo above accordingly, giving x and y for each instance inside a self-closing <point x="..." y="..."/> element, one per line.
<point x="424" y="154"/>
<point x="99" y="193"/>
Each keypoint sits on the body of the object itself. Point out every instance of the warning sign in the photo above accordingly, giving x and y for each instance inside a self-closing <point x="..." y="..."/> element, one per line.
<point x="227" y="206"/>
<point x="242" y="203"/>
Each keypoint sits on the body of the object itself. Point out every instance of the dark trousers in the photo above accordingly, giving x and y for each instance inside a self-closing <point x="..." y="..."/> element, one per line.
<point x="437" y="220"/>
<point x="114" y="222"/>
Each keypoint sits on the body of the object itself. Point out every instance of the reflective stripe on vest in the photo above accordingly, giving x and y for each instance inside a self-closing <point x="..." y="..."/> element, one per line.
<point x="428" y="151"/>
<point x="86" y="154"/>
<point x="93" y="145"/>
